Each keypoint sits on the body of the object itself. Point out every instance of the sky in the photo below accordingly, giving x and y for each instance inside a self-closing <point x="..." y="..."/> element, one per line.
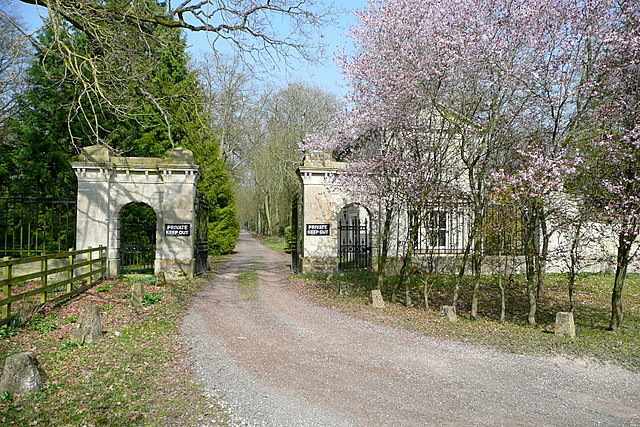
<point x="326" y="75"/>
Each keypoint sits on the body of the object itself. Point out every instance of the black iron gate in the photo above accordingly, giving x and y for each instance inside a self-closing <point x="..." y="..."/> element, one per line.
<point x="293" y="244"/>
<point x="138" y="249"/>
<point x="355" y="245"/>
<point x="137" y="239"/>
<point x="201" y="235"/>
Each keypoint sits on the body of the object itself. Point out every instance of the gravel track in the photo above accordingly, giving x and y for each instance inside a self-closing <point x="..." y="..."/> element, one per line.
<point x="282" y="360"/>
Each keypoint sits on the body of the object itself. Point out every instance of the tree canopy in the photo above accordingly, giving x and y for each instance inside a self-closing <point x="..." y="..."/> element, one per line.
<point x="529" y="92"/>
<point x="165" y="108"/>
<point x="119" y="37"/>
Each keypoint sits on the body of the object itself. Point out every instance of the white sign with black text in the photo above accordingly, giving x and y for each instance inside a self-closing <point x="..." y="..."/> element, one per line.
<point x="177" y="229"/>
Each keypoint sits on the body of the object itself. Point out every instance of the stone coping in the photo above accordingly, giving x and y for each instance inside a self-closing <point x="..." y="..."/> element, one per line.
<point x="100" y="156"/>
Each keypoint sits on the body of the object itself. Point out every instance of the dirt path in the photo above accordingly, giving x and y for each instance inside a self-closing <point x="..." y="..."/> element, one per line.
<point x="278" y="359"/>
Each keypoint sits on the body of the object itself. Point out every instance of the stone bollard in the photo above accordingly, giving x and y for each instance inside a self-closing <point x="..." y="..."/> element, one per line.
<point x="565" y="325"/>
<point x="449" y="312"/>
<point x="21" y="374"/>
<point x="137" y="294"/>
<point x="343" y="288"/>
<point x="88" y="329"/>
<point x="161" y="279"/>
<point x="376" y="299"/>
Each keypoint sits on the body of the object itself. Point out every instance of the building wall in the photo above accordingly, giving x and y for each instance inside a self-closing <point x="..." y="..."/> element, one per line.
<point x="323" y="202"/>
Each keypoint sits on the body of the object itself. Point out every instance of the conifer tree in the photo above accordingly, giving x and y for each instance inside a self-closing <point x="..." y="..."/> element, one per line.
<point x="58" y="115"/>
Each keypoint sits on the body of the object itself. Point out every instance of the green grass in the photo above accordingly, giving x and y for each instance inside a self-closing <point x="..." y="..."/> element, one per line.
<point x="44" y="324"/>
<point x="248" y="285"/>
<point x="135" y="375"/>
<point x="275" y="243"/>
<point x="103" y="288"/>
<point x="593" y="293"/>
<point x="150" y="298"/>
<point x="215" y="261"/>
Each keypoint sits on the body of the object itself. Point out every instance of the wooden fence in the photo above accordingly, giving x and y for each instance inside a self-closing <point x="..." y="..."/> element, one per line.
<point x="58" y="276"/>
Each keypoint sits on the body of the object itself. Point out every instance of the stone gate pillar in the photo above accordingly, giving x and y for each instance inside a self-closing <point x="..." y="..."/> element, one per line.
<point x="318" y="219"/>
<point x="107" y="182"/>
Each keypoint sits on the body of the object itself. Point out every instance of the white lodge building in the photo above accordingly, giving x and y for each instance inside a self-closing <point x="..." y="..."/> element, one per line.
<point x="335" y="231"/>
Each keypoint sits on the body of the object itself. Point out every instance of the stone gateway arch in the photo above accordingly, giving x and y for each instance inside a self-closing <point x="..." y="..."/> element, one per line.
<point x="107" y="183"/>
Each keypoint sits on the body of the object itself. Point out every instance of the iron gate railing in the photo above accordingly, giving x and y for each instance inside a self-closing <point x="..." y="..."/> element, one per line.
<point x="354" y="246"/>
<point x="445" y="228"/>
<point x="138" y="249"/>
<point x="33" y="226"/>
<point x="201" y="234"/>
<point x="294" y="247"/>
<point x="138" y="230"/>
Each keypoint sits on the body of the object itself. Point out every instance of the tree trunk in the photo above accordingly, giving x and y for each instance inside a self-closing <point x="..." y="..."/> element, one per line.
<point x="573" y="268"/>
<point x="502" y="273"/>
<point x="531" y="255"/>
<point x="572" y="284"/>
<point x="503" y="303"/>
<point x="474" y="298"/>
<point x="532" y="291"/>
<point x="479" y="215"/>
<point x="541" y="261"/>
<point x="532" y="288"/>
<point x="407" y="292"/>
<point x="405" y="271"/>
<point x="384" y="250"/>
<point x="267" y="214"/>
<point x="625" y="241"/>
<point x="476" y="259"/>
<point x="277" y="219"/>
<point x="426" y="290"/>
<point x="463" y="267"/>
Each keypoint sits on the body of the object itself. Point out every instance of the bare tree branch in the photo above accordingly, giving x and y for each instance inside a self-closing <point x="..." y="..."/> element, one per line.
<point x="110" y="63"/>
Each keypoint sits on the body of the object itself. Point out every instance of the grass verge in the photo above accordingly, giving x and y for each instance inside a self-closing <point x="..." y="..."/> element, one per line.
<point x="137" y="374"/>
<point x="592" y="313"/>
<point x="275" y="243"/>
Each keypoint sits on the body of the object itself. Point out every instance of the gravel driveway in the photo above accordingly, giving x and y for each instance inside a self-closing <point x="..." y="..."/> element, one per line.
<point x="281" y="360"/>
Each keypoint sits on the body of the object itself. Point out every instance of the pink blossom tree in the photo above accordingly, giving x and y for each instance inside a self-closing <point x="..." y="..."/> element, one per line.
<point x="501" y="76"/>
<point x="536" y="184"/>
<point x="389" y="169"/>
<point x="612" y="179"/>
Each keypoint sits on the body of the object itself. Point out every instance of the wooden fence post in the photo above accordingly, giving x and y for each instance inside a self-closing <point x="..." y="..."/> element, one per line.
<point x="7" y="273"/>
<point x="70" y="260"/>
<point x="90" y="259"/>
<point x="43" y="280"/>
<point x="103" y="264"/>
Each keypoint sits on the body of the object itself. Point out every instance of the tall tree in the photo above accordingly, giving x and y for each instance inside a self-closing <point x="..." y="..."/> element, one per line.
<point x="14" y="59"/>
<point x="14" y="56"/>
<point x="505" y="76"/>
<point x="611" y="177"/>
<point x="286" y="116"/>
<point x="168" y="111"/>
<point x="110" y="72"/>
<point x="39" y="151"/>
<point x="231" y="92"/>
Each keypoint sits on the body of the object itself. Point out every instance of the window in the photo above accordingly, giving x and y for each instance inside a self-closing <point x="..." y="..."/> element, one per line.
<point x="442" y="229"/>
<point x="437" y="228"/>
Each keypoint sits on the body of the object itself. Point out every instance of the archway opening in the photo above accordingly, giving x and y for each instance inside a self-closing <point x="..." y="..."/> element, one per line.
<point x="137" y="239"/>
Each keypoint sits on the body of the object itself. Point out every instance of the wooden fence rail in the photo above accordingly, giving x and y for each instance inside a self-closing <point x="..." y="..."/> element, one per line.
<point x="61" y="270"/>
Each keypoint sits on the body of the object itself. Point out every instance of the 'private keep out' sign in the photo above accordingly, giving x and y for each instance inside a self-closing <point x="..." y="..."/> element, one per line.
<point x="317" y="229"/>
<point x="177" y="229"/>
